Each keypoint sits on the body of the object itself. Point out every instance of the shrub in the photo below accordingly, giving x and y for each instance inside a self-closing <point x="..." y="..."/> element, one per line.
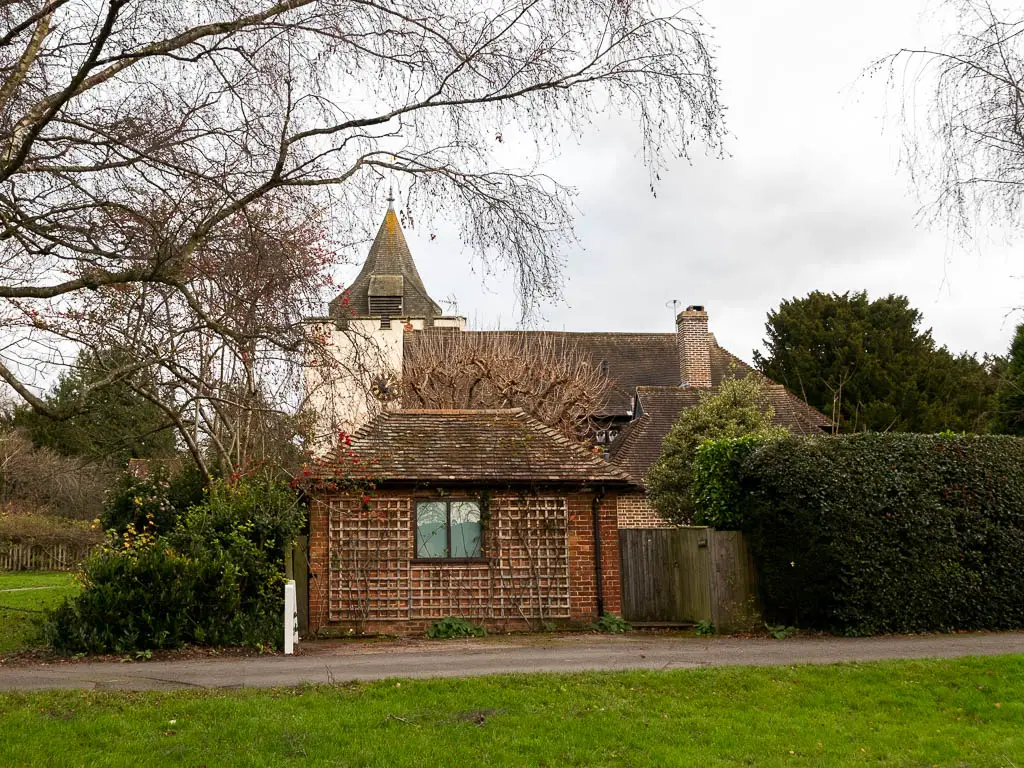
<point x="704" y="628"/>
<point x="216" y="579"/>
<point x="738" y="407"/>
<point x="889" y="532"/>
<point x="25" y="528"/>
<point x="454" y="626"/>
<point x="153" y="503"/>
<point x="717" y="495"/>
<point x="611" y="624"/>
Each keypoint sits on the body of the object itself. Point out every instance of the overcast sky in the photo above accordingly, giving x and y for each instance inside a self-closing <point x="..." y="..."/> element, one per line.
<point x="811" y="197"/>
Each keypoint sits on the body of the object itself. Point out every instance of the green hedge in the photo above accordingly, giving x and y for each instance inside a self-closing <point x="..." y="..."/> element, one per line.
<point x="718" y="496"/>
<point x="889" y="532"/>
<point x="216" y="579"/>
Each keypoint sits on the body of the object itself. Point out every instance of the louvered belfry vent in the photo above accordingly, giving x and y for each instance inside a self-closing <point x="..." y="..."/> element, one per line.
<point x="386" y="306"/>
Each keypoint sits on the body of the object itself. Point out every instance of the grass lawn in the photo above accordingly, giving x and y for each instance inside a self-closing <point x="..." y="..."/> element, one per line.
<point x="19" y="627"/>
<point x="967" y="712"/>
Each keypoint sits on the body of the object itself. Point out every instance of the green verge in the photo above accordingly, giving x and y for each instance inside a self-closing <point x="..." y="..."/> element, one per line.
<point x="907" y="713"/>
<point x="19" y="611"/>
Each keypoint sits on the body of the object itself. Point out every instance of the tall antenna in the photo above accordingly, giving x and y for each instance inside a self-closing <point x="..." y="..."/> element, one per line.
<point x="674" y="303"/>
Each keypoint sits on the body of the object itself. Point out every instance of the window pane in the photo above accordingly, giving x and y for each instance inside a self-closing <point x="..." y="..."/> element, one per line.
<point x="431" y="539"/>
<point x="465" y="529"/>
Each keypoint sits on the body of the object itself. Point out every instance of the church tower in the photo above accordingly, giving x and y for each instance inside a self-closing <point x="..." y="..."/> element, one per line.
<point x="388" y="285"/>
<point x="359" y="369"/>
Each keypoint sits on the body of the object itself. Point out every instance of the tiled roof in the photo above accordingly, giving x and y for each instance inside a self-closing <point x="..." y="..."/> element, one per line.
<point x="389" y="265"/>
<point x="632" y="359"/>
<point x="469" y="446"/>
<point x="639" y="444"/>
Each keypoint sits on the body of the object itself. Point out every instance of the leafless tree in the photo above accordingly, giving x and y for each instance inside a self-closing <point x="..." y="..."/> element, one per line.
<point x="182" y="177"/>
<point x="38" y="480"/>
<point x="965" y="148"/>
<point x="541" y="373"/>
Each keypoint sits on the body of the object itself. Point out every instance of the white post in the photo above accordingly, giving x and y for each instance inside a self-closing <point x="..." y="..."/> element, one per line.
<point x="291" y="618"/>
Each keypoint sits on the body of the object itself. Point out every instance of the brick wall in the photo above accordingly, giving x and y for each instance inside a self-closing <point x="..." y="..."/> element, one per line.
<point x="538" y="565"/>
<point x="636" y="512"/>
<point x="581" y="554"/>
<point x="694" y="347"/>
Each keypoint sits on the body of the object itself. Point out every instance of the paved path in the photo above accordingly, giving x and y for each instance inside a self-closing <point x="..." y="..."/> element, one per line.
<point x="323" y="662"/>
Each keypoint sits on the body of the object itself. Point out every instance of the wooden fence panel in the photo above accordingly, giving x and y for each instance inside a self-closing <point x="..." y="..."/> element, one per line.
<point x="686" y="575"/>
<point x="41" y="557"/>
<point x="734" y="600"/>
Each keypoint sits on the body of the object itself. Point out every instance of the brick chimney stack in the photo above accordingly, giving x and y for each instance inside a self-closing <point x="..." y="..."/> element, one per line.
<point x="694" y="347"/>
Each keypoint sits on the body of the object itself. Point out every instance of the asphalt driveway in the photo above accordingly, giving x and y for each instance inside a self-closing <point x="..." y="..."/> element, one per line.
<point x="323" y="661"/>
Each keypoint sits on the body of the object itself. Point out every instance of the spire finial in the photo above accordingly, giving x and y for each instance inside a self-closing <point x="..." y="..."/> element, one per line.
<point x="391" y="197"/>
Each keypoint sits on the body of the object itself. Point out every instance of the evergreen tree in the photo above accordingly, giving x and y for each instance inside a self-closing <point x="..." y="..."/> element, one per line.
<point x="115" y="423"/>
<point x="737" y="408"/>
<point x="1009" y="417"/>
<point x="869" y="366"/>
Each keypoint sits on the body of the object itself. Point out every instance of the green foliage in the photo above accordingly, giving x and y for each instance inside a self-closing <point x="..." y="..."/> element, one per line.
<point x="154" y="503"/>
<point x="868" y="366"/>
<point x="114" y="424"/>
<point x="216" y="579"/>
<point x="705" y="628"/>
<point x="1009" y="418"/>
<point x="611" y="624"/>
<point x="454" y="626"/>
<point x="779" y="631"/>
<point x="889" y="532"/>
<point x="736" y="409"/>
<point x="717" y="495"/>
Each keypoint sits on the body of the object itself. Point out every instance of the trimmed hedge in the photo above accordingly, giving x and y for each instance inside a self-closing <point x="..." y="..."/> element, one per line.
<point x="45" y="530"/>
<point x="878" y="533"/>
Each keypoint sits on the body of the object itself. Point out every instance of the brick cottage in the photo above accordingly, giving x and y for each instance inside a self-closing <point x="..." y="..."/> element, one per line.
<point x="487" y="514"/>
<point x="380" y="321"/>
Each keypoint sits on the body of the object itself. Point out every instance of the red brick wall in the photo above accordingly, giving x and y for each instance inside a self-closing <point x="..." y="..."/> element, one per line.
<point x="636" y="512"/>
<point x="539" y="565"/>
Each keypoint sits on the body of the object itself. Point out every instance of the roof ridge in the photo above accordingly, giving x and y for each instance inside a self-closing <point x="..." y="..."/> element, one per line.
<point x="570" y="333"/>
<point x="457" y="411"/>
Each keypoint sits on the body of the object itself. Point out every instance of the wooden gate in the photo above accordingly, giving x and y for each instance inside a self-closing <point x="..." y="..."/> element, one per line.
<point x="686" y="575"/>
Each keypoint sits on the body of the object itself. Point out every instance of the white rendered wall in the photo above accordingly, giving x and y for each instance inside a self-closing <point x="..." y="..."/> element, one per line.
<point x="338" y="390"/>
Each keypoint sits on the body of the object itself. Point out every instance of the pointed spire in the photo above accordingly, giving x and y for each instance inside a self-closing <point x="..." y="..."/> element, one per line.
<point x="388" y="280"/>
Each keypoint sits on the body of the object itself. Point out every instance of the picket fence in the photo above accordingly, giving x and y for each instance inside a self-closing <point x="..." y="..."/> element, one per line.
<point x="41" y="557"/>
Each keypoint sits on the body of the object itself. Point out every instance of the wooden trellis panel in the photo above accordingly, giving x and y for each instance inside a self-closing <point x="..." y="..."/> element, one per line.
<point x="369" y="559"/>
<point x="450" y="590"/>
<point x="530" y="539"/>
